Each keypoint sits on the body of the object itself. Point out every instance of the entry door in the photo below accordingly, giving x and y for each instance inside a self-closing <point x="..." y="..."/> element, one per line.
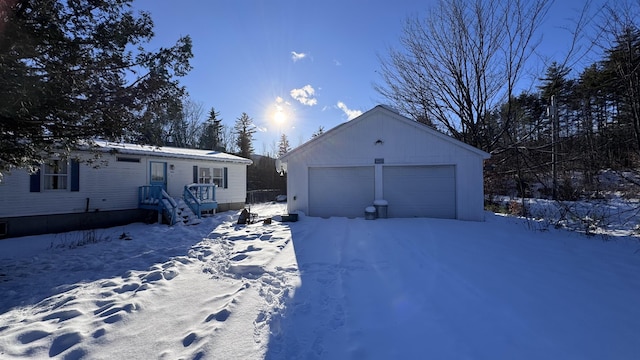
<point x="158" y="174"/>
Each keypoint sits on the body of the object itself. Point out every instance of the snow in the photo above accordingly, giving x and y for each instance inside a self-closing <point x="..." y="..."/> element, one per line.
<point x="318" y="288"/>
<point x="174" y="152"/>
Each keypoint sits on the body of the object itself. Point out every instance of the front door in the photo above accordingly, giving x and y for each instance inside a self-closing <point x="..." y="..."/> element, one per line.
<point x="158" y="174"/>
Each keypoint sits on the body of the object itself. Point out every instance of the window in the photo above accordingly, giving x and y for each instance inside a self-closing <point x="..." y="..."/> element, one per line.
<point x="55" y="175"/>
<point x="211" y="176"/>
<point x="218" y="178"/>
<point x="204" y="176"/>
<point x="127" y="159"/>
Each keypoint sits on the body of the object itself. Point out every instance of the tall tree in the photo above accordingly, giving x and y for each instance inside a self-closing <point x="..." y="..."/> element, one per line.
<point x="186" y="130"/>
<point x="244" y="130"/>
<point x="461" y="63"/>
<point x="623" y="60"/>
<point x="212" y="134"/>
<point x="71" y="71"/>
<point x="283" y="145"/>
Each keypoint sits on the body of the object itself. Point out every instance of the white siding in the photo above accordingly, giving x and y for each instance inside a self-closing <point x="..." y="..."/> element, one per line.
<point x="111" y="186"/>
<point x="382" y="134"/>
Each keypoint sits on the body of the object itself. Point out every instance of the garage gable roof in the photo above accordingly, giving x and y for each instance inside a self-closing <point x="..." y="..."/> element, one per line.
<point x="388" y="112"/>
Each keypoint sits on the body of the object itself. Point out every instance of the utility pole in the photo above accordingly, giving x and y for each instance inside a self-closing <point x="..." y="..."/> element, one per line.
<point x="555" y="139"/>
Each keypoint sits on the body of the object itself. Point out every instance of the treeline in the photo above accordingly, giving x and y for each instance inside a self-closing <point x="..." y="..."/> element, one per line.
<point x="460" y="69"/>
<point x="596" y="128"/>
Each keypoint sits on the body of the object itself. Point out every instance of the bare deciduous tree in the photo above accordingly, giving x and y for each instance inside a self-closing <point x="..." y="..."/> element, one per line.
<point x="461" y="62"/>
<point x="186" y="130"/>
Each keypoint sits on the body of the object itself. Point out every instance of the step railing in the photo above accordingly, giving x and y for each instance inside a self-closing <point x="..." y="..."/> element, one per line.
<point x="154" y="197"/>
<point x="200" y="197"/>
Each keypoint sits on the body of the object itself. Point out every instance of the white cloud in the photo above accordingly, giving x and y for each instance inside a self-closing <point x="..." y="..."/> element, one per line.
<point x="305" y="95"/>
<point x="297" y="56"/>
<point x="351" y="114"/>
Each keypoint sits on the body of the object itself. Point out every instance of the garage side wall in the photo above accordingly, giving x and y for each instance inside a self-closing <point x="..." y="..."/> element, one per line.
<point x="387" y="139"/>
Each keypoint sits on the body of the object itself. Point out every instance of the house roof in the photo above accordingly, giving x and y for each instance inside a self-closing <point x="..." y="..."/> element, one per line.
<point x="169" y="152"/>
<point x="392" y="113"/>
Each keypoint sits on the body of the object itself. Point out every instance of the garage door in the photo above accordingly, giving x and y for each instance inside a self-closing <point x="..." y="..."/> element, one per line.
<point x="340" y="191"/>
<point x="420" y="191"/>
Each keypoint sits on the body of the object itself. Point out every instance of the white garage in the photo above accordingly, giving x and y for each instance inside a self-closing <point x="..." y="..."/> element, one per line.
<point x="382" y="155"/>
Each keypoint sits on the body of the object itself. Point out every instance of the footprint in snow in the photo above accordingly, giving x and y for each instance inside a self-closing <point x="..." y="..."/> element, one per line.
<point x="98" y="333"/>
<point x="127" y="288"/>
<point x="189" y="339"/>
<point x="220" y="316"/>
<point x="62" y="315"/>
<point x="33" y="335"/>
<point x="239" y="257"/>
<point x="63" y="342"/>
<point x="249" y="248"/>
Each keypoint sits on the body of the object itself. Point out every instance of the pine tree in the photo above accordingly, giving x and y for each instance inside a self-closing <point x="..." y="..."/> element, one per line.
<point x="75" y="70"/>
<point x="283" y="145"/>
<point x="244" y="130"/>
<point x="211" y="138"/>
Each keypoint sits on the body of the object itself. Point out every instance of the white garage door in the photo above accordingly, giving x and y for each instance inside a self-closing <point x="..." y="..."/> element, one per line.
<point x="340" y="191"/>
<point x="420" y="191"/>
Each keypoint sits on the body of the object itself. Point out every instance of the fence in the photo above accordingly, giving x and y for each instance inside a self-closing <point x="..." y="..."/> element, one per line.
<point x="261" y="196"/>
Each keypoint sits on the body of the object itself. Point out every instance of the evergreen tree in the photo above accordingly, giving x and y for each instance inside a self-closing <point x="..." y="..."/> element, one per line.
<point x="71" y="71"/>
<point x="283" y="145"/>
<point x="212" y="134"/>
<point x="623" y="61"/>
<point x="244" y="130"/>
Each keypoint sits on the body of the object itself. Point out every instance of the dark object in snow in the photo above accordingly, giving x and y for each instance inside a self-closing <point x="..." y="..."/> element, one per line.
<point x="267" y="221"/>
<point x="370" y="213"/>
<point x="125" y="236"/>
<point x="381" y="208"/>
<point x="243" y="219"/>
<point x="290" y="218"/>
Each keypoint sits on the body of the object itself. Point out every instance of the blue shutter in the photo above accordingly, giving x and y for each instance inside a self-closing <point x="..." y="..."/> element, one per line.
<point x="34" y="182"/>
<point x="75" y="175"/>
<point x="195" y="174"/>
<point x="224" y="180"/>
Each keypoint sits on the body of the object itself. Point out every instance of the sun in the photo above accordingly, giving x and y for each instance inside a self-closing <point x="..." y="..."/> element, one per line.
<point x="279" y="116"/>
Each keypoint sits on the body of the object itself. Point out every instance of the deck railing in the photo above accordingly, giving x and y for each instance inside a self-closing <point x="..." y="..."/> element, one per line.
<point x="200" y="197"/>
<point x="155" y="198"/>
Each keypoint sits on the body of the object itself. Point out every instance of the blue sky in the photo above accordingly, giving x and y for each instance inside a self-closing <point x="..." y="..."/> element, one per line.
<point x="315" y="61"/>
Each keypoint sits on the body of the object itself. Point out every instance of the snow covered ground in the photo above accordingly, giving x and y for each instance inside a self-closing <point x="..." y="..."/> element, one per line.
<point x="321" y="289"/>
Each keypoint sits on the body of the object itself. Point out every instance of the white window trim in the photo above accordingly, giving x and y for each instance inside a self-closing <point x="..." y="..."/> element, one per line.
<point x="45" y="176"/>
<point x="210" y="177"/>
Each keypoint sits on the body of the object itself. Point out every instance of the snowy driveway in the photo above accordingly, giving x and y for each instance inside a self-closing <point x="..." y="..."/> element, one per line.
<point x="427" y="288"/>
<point x="321" y="289"/>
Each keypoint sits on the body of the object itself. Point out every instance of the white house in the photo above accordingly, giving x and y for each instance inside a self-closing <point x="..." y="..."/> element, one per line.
<point x="117" y="187"/>
<point x="382" y="155"/>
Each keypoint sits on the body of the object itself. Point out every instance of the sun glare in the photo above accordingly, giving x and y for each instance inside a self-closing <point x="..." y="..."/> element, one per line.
<point x="279" y="116"/>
